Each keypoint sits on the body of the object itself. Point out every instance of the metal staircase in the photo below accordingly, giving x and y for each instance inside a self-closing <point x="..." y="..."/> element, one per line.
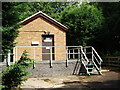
<point x="92" y="59"/>
<point x="89" y="59"/>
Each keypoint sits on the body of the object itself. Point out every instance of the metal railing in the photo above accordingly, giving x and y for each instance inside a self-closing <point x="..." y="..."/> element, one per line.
<point x="55" y="53"/>
<point x="94" y="57"/>
<point x="35" y="53"/>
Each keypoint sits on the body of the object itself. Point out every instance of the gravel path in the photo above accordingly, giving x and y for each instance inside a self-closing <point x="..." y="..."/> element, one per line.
<point x="107" y="80"/>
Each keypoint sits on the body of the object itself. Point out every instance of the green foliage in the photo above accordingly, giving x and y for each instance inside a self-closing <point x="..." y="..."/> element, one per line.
<point x="14" y="12"/>
<point x="108" y="41"/>
<point x="83" y="20"/>
<point x="8" y="36"/>
<point x="15" y="74"/>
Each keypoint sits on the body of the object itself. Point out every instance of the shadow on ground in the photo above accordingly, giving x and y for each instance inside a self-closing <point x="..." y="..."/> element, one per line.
<point x="78" y="85"/>
<point x="107" y="81"/>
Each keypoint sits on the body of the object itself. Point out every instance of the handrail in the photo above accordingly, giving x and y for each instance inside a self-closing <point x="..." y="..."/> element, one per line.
<point x="96" y="59"/>
<point x="84" y="54"/>
<point x="97" y="54"/>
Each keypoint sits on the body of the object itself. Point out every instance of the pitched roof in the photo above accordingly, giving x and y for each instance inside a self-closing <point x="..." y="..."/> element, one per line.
<point x="45" y="16"/>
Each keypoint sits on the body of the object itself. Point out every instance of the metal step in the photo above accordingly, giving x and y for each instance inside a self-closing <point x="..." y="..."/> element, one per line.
<point x="90" y="68"/>
<point x="90" y="65"/>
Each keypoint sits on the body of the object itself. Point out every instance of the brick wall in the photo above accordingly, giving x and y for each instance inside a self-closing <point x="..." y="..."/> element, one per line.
<point x="34" y="33"/>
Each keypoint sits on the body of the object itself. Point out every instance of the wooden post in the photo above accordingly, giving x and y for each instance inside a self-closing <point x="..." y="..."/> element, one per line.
<point x="51" y="57"/>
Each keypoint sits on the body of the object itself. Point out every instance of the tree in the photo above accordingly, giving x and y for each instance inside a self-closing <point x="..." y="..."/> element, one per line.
<point x="14" y="12"/>
<point x="84" y="22"/>
<point x="15" y="74"/>
<point x="10" y="17"/>
<point x="108" y="40"/>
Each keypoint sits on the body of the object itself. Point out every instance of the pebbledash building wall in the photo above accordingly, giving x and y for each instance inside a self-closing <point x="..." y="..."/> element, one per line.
<point x="41" y="30"/>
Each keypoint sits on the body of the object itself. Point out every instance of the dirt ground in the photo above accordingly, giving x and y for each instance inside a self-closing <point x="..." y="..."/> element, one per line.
<point x="109" y="79"/>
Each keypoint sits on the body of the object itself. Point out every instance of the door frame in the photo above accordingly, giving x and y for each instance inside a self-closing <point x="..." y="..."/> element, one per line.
<point x="49" y="35"/>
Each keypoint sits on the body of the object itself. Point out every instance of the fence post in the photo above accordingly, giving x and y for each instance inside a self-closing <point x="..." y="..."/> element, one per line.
<point x="109" y="62"/>
<point x="8" y="59"/>
<point x="51" y="57"/>
<point x="67" y="56"/>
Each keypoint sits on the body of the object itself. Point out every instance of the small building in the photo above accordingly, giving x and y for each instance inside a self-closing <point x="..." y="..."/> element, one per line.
<point x="38" y="33"/>
<point x="45" y="40"/>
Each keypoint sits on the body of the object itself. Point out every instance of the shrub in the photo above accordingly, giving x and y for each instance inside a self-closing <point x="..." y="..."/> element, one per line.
<point x="15" y="74"/>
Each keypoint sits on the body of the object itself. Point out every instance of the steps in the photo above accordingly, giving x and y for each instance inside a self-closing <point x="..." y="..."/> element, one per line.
<point x="90" y="68"/>
<point x="94" y="63"/>
<point x="89" y="59"/>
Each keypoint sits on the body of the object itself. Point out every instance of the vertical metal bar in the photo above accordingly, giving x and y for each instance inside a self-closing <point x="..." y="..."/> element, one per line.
<point x="81" y="53"/>
<point x="5" y="58"/>
<point x="51" y="57"/>
<point x="78" y="53"/>
<point x="92" y="55"/>
<point x="14" y="55"/>
<point x="34" y="53"/>
<point x="73" y="54"/>
<point x="67" y="56"/>
<point x="34" y="59"/>
<point x="84" y="50"/>
<point x="8" y="59"/>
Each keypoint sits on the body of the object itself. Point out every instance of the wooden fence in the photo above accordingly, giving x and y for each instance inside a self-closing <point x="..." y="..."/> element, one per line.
<point x="111" y="62"/>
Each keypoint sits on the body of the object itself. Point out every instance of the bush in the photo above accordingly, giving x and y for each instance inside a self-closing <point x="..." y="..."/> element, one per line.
<point x="14" y="75"/>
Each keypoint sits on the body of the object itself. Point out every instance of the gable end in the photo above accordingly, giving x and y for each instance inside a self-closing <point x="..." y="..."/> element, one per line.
<point x="46" y="17"/>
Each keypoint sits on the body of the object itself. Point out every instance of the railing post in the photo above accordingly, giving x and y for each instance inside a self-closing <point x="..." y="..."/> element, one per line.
<point x="34" y="59"/>
<point x="84" y="50"/>
<point x="92" y="54"/>
<point x="8" y="59"/>
<point x="73" y="54"/>
<point x="5" y="59"/>
<point x="67" y="56"/>
<point x="78" y="53"/>
<point x="81" y="54"/>
<point x="51" y="57"/>
<point x="14" y="55"/>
